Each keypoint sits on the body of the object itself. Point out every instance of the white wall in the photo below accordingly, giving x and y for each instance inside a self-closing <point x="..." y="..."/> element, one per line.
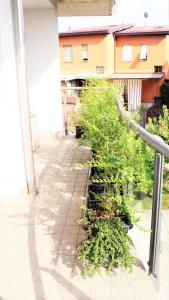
<point x="12" y="168"/>
<point x="42" y="53"/>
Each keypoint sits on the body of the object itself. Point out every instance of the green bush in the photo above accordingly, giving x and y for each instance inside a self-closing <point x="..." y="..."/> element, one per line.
<point x="160" y="126"/>
<point x="108" y="246"/>
<point x="164" y="91"/>
<point x="124" y="161"/>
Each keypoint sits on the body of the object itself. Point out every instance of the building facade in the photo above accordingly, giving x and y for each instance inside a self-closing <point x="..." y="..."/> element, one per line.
<point x="136" y="57"/>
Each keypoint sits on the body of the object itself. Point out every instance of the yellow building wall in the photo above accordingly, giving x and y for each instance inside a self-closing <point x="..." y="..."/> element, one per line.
<point x="100" y="53"/>
<point x="167" y="58"/>
<point x="110" y="53"/>
<point x="156" y="53"/>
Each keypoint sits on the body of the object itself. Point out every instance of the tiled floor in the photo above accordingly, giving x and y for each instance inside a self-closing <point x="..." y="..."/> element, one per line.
<point x="39" y="236"/>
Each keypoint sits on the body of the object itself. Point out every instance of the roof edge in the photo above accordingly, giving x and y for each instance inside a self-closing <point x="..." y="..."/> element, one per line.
<point x="82" y="33"/>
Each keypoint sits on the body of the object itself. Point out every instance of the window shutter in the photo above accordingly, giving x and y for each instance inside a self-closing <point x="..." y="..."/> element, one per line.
<point x="143" y="52"/>
<point x="85" y="52"/>
<point x="127" y="53"/>
<point x="67" y="53"/>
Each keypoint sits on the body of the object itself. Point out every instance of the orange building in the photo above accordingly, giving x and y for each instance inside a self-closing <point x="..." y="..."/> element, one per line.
<point x="142" y="56"/>
<point x="137" y="57"/>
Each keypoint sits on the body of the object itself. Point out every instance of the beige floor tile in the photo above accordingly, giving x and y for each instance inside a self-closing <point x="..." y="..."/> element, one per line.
<point x="63" y="205"/>
<point x="71" y="229"/>
<point x="60" y="220"/>
<point x="143" y="289"/>
<point x="101" y="291"/>
<point x="122" y="291"/>
<point x="81" y="180"/>
<point x="78" y="194"/>
<point x="137" y="274"/>
<point x="69" y="238"/>
<point x="97" y="278"/>
<point x="74" y="212"/>
<point x="75" y="203"/>
<point x="62" y="212"/>
<point x="67" y="249"/>
<point x="71" y="221"/>
<point x="119" y="276"/>
<point x="81" y="291"/>
<point x="80" y="189"/>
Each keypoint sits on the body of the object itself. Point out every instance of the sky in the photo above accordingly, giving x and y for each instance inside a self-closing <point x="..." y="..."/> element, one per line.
<point x="124" y="11"/>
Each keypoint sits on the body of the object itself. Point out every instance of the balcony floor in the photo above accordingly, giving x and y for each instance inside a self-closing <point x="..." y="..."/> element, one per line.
<point x="38" y="238"/>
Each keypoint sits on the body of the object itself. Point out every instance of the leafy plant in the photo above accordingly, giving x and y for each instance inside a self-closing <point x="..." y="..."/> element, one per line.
<point x="108" y="246"/>
<point x="160" y="126"/>
<point x="164" y="91"/>
<point x="119" y="158"/>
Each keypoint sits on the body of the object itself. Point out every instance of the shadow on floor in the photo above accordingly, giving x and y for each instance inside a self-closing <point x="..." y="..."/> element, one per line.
<point x="49" y="211"/>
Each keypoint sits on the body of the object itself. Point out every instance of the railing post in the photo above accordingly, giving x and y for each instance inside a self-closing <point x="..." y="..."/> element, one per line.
<point x="65" y="112"/>
<point x="154" y="252"/>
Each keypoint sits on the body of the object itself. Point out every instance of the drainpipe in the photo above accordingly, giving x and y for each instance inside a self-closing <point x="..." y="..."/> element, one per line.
<point x="19" y="40"/>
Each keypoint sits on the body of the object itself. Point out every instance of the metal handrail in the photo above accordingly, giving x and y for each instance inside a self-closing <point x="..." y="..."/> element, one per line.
<point x="161" y="150"/>
<point x="154" y="141"/>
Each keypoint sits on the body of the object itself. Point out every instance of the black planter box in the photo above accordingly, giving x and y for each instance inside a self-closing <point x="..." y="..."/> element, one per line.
<point x="94" y="171"/>
<point x="79" y="131"/>
<point x="127" y="220"/>
<point x="94" y="190"/>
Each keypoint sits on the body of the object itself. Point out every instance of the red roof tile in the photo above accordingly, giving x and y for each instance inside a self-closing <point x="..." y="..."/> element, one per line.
<point x="96" y="30"/>
<point x="146" y="30"/>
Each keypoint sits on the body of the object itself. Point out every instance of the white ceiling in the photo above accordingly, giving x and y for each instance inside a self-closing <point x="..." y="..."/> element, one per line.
<point x="73" y="7"/>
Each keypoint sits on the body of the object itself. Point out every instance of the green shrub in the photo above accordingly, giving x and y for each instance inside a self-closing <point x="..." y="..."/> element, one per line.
<point x="164" y="91"/>
<point x="124" y="161"/>
<point x="108" y="246"/>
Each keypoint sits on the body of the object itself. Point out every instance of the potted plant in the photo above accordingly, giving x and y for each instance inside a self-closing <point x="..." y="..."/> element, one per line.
<point x="113" y="165"/>
<point x="108" y="246"/>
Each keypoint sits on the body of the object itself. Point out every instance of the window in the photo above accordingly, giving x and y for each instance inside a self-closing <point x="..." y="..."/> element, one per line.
<point x="143" y="52"/>
<point x="85" y="52"/>
<point x="158" y="69"/>
<point x="100" y="69"/>
<point x="126" y="53"/>
<point x="68" y="55"/>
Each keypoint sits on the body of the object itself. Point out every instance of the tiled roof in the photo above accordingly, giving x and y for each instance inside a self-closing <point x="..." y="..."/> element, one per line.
<point x="96" y="30"/>
<point x="146" y="30"/>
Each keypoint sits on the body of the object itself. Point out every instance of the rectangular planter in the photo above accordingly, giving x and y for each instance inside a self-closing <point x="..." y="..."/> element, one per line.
<point x="79" y="131"/>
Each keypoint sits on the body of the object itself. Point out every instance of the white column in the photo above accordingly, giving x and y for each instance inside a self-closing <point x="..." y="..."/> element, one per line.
<point x="12" y="167"/>
<point x="134" y="94"/>
<point x="42" y="52"/>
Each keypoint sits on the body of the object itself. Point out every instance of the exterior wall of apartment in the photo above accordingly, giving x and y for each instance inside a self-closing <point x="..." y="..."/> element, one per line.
<point x="110" y="53"/>
<point x="42" y="53"/>
<point x="12" y="166"/>
<point x="100" y="53"/>
<point x="167" y="57"/>
<point x="150" y="88"/>
<point x="156" y="53"/>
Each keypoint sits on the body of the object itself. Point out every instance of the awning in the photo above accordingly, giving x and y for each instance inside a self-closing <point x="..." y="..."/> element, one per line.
<point x="137" y="76"/>
<point x="117" y="76"/>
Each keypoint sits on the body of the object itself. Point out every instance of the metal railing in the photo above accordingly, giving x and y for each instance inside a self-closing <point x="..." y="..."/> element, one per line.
<point x="161" y="150"/>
